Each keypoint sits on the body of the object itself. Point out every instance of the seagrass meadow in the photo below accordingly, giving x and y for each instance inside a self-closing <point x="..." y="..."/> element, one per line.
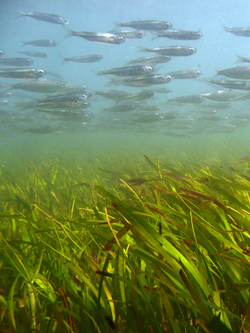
<point x="146" y="247"/>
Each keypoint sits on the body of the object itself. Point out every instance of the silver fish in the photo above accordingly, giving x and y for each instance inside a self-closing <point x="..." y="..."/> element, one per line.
<point x="144" y="81"/>
<point x="174" y="50"/>
<point x="141" y="96"/>
<point x="242" y="59"/>
<point x="244" y="31"/>
<point x="151" y="60"/>
<point x="188" y="74"/>
<point x="46" y="17"/>
<point x="128" y="33"/>
<point x="41" y="43"/>
<point x="84" y="58"/>
<point x="22" y="73"/>
<point x="134" y="70"/>
<point x="191" y="99"/>
<point x="123" y="107"/>
<point x="233" y="84"/>
<point x="16" y="61"/>
<point x="221" y="95"/>
<point x="99" y="37"/>
<point x="239" y="72"/>
<point x="42" y="85"/>
<point x="219" y="105"/>
<point x="179" y="34"/>
<point x="147" y="25"/>
<point x="161" y="90"/>
<point x="34" y="54"/>
<point x="113" y="94"/>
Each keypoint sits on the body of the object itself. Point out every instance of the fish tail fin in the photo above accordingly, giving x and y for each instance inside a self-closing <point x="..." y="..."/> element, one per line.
<point x="23" y="43"/>
<point x="143" y="49"/>
<point x="155" y="35"/>
<point x="69" y="32"/>
<point x="239" y="59"/>
<point x="119" y="24"/>
<point x="217" y="71"/>
<point x="63" y="60"/>
<point x="224" y="27"/>
<point x="99" y="72"/>
<point x="21" y="14"/>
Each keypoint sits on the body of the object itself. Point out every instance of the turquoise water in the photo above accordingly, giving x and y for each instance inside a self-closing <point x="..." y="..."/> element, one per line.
<point x="188" y="136"/>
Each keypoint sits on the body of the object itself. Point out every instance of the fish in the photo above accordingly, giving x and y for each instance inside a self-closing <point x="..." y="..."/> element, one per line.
<point x="16" y="62"/>
<point x="191" y="99"/>
<point x="44" y="129"/>
<point x="239" y="72"/>
<point x="84" y="58"/>
<point x="60" y="106"/>
<point x="1" y="53"/>
<point x="41" y="85"/>
<point x="149" y="118"/>
<point x="99" y="37"/>
<point x="72" y="91"/>
<point x="41" y="43"/>
<point x="141" y="96"/>
<point x="62" y="99"/>
<point x="34" y="54"/>
<point x="64" y="109"/>
<point x="46" y="17"/>
<point x="128" y="33"/>
<point x="150" y="108"/>
<point x="179" y="34"/>
<point x="242" y="31"/>
<point x="143" y="81"/>
<point x="242" y="59"/>
<point x="219" y="105"/>
<point x="147" y="25"/>
<point x="76" y="90"/>
<point x="233" y="84"/>
<point x="123" y="107"/>
<point x="113" y="94"/>
<point x="22" y="73"/>
<point x="161" y="90"/>
<point x="174" y="50"/>
<point x="188" y="74"/>
<point x="221" y="95"/>
<point x="151" y="60"/>
<point x="134" y="70"/>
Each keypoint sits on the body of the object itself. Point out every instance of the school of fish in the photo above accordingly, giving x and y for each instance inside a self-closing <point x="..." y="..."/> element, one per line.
<point x="46" y="103"/>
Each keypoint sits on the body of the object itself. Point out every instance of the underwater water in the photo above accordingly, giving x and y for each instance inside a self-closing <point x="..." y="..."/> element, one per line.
<point x="157" y="126"/>
<point x="124" y="166"/>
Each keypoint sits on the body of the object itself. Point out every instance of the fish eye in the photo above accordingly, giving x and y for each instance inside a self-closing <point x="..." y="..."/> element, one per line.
<point x="198" y="72"/>
<point x="41" y="71"/>
<point x="192" y="49"/>
<point x="199" y="34"/>
<point x="66" y="21"/>
<point x="120" y="38"/>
